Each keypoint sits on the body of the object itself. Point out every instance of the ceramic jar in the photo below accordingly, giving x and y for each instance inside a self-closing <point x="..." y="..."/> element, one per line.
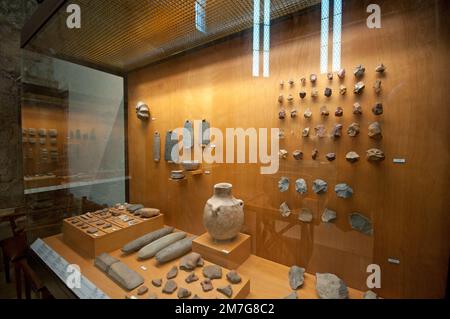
<point x="223" y="215"/>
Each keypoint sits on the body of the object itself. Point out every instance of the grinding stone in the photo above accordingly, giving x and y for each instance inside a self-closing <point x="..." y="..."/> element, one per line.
<point x="175" y="250"/>
<point x="153" y="248"/>
<point x="140" y="242"/>
<point x="124" y="276"/>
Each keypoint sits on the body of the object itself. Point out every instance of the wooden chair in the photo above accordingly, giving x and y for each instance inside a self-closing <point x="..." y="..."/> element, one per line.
<point x="31" y="280"/>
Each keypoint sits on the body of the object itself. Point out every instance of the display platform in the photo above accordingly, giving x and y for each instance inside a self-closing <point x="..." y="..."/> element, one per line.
<point x="269" y="280"/>
<point x="228" y="254"/>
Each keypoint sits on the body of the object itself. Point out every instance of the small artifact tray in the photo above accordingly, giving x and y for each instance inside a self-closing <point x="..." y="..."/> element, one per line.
<point x="104" y="231"/>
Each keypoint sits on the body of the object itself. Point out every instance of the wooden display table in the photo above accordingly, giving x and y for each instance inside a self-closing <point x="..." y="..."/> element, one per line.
<point x="228" y="254"/>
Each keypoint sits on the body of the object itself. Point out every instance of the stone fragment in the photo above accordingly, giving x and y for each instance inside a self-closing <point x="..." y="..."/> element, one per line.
<point x="331" y="157"/>
<point x="152" y="295"/>
<point x="320" y="186"/>
<point x="140" y="242"/>
<point x="212" y="272"/>
<point x="281" y="134"/>
<point x="142" y="111"/>
<point x="173" y="272"/>
<point x="357" y="109"/>
<point x="342" y="90"/>
<point x="154" y="247"/>
<point x="290" y="98"/>
<point x="294" y="114"/>
<point x="133" y="207"/>
<point x="352" y="157"/>
<point x="296" y="277"/>
<point x="361" y="223"/>
<point x="283" y="184"/>
<point x="359" y="87"/>
<point x="343" y="191"/>
<point x="233" y="277"/>
<point x="305" y="215"/>
<point x="207" y="285"/>
<point x="191" y="278"/>
<point x="330" y="76"/>
<point x="305" y="132"/>
<point x="359" y="71"/>
<point x="170" y="287"/>
<point x="280" y="98"/>
<point x="307" y="114"/>
<point x="353" y="130"/>
<point x="313" y="78"/>
<point x="298" y="155"/>
<point x="281" y="84"/>
<point x="196" y="297"/>
<point x="370" y="295"/>
<point x="183" y="293"/>
<point x="282" y="114"/>
<point x="92" y="230"/>
<point x="320" y="131"/>
<point x="285" y="210"/>
<point x="329" y="286"/>
<point x="375" y="131"/>
<point x="142" y="290"/>
<point x="292" y="295"/>
<point x="148" y="212"/>
<point x="378" y="109"/>
<point x="339" y="112"/>
<point x="324" y="111"/>
<point x="328" y="92"/>
<point x="341" y="73"/>
<point x="124" y="276"/>
<point x="283" y="154"/>
<point x="328" y="215"/>
<point x="337" y="131"/>
<point x="104" y="262"/>
<point x="380" y="68"/>
<point x="175" y="250"/>
<point x="227" y="291"/>
<point x="190" y="261"/>
<point x="300" y="186"/>
<point x="375" y="155"/>
<point x="302" y="94"/>
<point x="157" y="282"/>
<point x="377" y="86"/>
<point x="315" y="154"/>
<point x="314" y="93"/>
<point x="291" y="82"/>
<point x="303" y="80"/>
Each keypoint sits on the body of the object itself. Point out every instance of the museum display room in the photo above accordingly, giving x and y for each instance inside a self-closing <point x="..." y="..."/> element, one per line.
<point x="252" y="149"/>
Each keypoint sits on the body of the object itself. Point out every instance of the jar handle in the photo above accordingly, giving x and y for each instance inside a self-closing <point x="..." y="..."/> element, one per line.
<point x="241" y="202"/>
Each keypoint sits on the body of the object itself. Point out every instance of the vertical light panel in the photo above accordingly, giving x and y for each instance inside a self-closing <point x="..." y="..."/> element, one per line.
<point x="266" y="49"/>
<point x="337" y="34"/>
<point x="200" y="15"/>
<point x="324" y="36"/>
<point x="256" y="22"/>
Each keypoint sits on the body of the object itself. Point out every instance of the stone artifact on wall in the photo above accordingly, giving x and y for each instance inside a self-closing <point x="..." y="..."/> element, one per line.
<point x="290" y="98"/>
<point x="320" y="186"/>
<point x="352" y="157"/>
<point x="142" y="111"/>
<point x="353" y="130"/>
<point x="300" y="186"/>
<point x="342" y="90"/>
<point x="330" y="76"/>
<point x="157" y="147"/>
<point x="53" y="132"/>
<point x="42" y="132"/>
<point x="291" y="82"/>
<point x="337" y="131"/>
<point x="294" y="114"/>
<point x="188" y="134"/>
<point x="280" y="98"/>
<point x="152" y="249"/>
<point x="360" y="223"/>
<point x="281" y="134"/>
<point x="307" y="114"/>
<point x="315" y="154"/>
<point x="53" y="141"/>
<point x="377" y="109"/>
<point x="331" y="157"/>
<point x="142" y="241"/>
<point x="175" y="250"/>
<point x="330" y="286"/>
<point x="298" y="155"/>
<point x="283" y="184"/>
<point x="313" y="78"/>
<point x="285" y="210"/>
<point x="305" y="132"/>
<point x="302" y="94"/>
<point x="375" y="155"/>
<point x="314" y="93"/>
<point x="296" y="277"/>
<point x="170" y="148"/>
<point x="343" y="191"/>
<point x="42" y="141"/>
<point x="320" y="131"/>
<point x="324" y="111"/>
<point x="205" y="134"/>
<point x="328" y="92"/>
<point x="359" y="71"/>
<point x="281" y="84"/>
<point x="357" y="109"/>
<point x="32" y="132"/>
<point x="377" y="86"/>
<point x="305" y="215"/>
<point x="339" y="112"/>
<point x="328" y="215"/>
<point x="223" y="215"/>
<point x="283" y="154"/>
<point x="380" y="68"/>
<point x="341" y="74"/>
<point x="359" y="87"/>
<point x="375" y="131"/>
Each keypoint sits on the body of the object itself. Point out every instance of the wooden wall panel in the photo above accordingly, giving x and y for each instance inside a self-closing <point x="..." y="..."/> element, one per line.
<point x="407" y="203"/>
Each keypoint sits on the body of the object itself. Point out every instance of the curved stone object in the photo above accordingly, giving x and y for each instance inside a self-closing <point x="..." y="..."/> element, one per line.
<point x="375" y="155"/>
<point x="320" y="186"/>
<point x="302" y="94"/>
<point x="223" y="215"/>
<point x="285" y="210"/>
<point x="133" y="207"/>
<point x="329" y="286"/>
<point x="124" y="276"/>
<point x="328" y="215"/>
<point x="290" y="98"/>
<point x="296" y="277"/>
<point x="207" y="285"/>
<point x="142" y="111"/>
<point x="301" y="186"/>
<point x="152" y="249"/>
<point x="283" y="184"/>
<point x="380" y="68"/>
<point x="353" y="130"/>
<point x="142" y="241"/>
<point x="305" y="215"/>
<point x="375" y="131"/>
<point x="352" y="157"/>
<point x="177" y="249"/>
<point x="148" y="212"/>
<point x="343" y="191"/>
<point x="361" y="223"/>
<point x="331" y="157"/>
